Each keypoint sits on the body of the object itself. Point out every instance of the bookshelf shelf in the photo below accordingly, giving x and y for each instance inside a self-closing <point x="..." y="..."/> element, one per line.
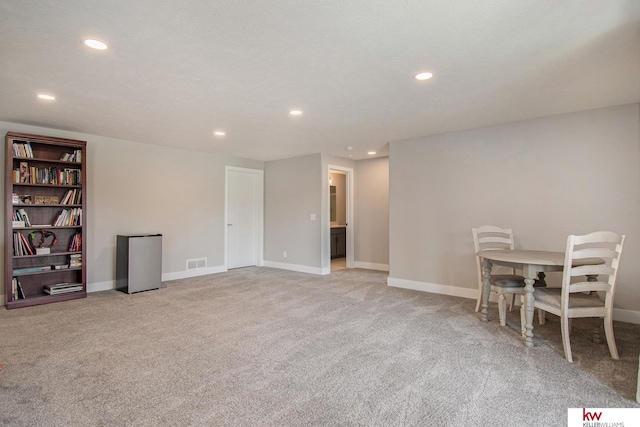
<point x="35" y="273"/>
<point x="45" y="183"/>
<point x="46" y="299"/>
<point x="45" y="255"/>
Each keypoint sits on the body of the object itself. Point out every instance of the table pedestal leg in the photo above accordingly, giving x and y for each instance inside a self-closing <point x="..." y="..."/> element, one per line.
<point x="529" y="303"/>
<point x="486" y="288"/>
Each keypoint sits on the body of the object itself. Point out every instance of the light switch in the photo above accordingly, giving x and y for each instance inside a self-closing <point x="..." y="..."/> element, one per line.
<point x="312" y="217"/>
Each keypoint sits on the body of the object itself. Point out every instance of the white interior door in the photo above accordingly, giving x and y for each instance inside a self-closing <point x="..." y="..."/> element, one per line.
<point x="244" y="214"/>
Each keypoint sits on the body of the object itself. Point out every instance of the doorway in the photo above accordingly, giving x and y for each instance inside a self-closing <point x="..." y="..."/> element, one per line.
<point x="340" y="191"/>
<point x="243" y="217"/>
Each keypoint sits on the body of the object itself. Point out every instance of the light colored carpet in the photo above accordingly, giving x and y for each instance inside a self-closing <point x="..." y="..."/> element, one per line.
<point x="266" y="347"/>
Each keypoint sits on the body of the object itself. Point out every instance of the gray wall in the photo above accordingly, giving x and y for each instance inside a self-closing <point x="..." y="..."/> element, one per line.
<point x="545" y="178"/>
<point x="141" y="188"/>
<point x="372" y="212"/>
<point x="297" y="187"/>
<point x="292" y="193"/>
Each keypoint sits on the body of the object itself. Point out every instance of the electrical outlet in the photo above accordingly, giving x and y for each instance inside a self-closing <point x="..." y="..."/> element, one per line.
<point x="284" y="254"/>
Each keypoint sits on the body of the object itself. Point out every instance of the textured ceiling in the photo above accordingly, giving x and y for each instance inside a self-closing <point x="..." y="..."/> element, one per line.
<point x="175" y="71"/>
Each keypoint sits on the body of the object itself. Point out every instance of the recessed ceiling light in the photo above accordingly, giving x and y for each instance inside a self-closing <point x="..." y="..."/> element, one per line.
<point x="371" y="153"/>
<point x="47" y="97"/>
<point x="423" y="76"/>
<point x="295" y="112"/>
<point x="219" y="133"/>
<point x="95" y="44"/>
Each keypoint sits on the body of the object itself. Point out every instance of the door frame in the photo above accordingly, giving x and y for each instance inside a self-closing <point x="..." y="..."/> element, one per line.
<point x="350" y="216"/>
<point x="259" y="212"/>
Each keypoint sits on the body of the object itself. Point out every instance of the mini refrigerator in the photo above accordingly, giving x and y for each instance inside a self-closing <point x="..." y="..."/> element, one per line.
<point x="138" y="262"/>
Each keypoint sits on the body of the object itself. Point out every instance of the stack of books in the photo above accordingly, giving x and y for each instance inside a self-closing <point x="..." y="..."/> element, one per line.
<point x="75" y="260"/>
<point x="62" y="288"/>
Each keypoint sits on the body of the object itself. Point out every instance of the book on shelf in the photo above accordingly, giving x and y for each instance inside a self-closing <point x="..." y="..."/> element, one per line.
<point x="72" y="197"/>
<point x="76" y="156"/>
<point x="69" y="217"/>
<point x="21" y="215"/>
<point x="23" y="173"/>
<point x="21" y="294"/>
<point x="59" y="266"/>
<point x="22" y="149"/>
<point x="47" y="175"/>
<point x="21" y="246"/>
<point x="16" y="290"/>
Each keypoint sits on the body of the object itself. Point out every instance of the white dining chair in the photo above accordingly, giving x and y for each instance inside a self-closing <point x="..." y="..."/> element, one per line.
<point x="579" y="295"/>
<point x="490" y="237"/>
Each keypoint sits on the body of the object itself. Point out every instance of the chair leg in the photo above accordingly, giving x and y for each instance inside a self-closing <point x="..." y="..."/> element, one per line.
<point x="564" y="328"/>
<point x="523" y="318"/>
<point x="608" y="331"/>
<point x="479" y="300"/>
<point x="512" y="298"/>
<point x="541" y="316"/>
<point x="502" y="309"/>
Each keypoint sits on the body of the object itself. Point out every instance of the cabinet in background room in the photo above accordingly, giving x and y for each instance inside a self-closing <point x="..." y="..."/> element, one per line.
<point x="45" y="219"/>
<point x="338" y="242"/>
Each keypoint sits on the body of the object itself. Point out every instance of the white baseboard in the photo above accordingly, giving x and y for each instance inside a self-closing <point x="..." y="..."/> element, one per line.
<point x="195" y="272"/>
<point x="297" y="267"/>
<point x="627" y="316"/>
<point x="620" y="315"/>
<point x="371" y="266"/>
<point x="101" y="286"/>
<point x="432" y="288"/>
<point x="111" y="284"/>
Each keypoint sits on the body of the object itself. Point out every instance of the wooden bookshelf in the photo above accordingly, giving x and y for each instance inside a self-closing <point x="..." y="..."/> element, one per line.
<point x="43" y="177"/>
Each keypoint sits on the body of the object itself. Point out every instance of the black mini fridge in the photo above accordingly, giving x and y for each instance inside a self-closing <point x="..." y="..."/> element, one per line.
<point x="138" y="262"/>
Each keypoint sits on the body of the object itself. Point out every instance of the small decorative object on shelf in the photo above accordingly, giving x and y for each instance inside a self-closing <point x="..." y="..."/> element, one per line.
<point x="45" y="180"/>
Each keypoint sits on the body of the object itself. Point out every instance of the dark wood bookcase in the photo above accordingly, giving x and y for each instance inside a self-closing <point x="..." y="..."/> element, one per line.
<point x="40" y="173"/>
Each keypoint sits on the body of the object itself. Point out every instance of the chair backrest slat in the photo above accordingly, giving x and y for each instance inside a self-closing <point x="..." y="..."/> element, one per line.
<point x="594" y="253"/>
<point x="599" y="270"/>
<point x="589" y="287"/>
<point x="495" y="239"/>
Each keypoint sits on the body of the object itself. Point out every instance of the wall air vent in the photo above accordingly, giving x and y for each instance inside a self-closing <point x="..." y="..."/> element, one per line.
<point x="196" y="263"/>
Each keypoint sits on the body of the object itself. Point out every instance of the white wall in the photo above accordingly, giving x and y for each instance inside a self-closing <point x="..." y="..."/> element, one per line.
<point x="545" y="178"/>
<point x="372" y="213"/>
<point x="140" y="188"/>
